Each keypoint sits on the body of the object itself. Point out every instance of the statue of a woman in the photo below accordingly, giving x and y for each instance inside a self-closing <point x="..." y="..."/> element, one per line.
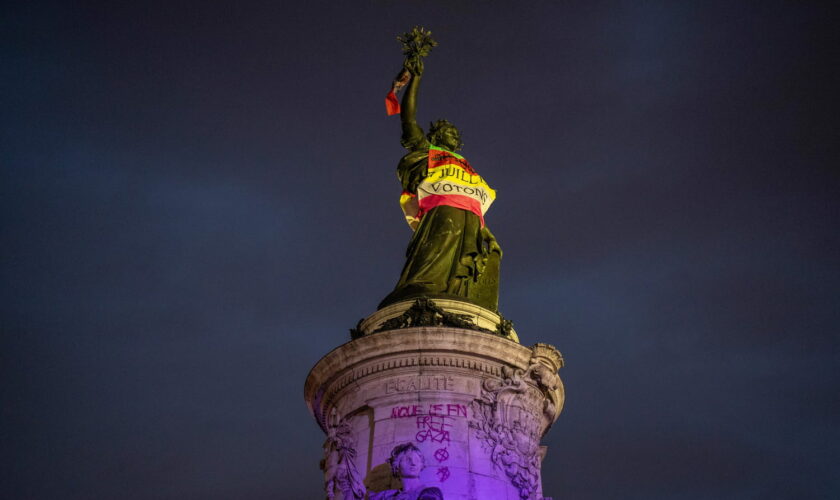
<point x="452" y="253"/>
<point x="407" y="463"/>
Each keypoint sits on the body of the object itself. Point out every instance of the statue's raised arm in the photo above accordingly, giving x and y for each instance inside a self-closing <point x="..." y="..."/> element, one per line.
<point x="417" y="44"/>
<point x="412" y="135"/>
<point x="452" y="253"/>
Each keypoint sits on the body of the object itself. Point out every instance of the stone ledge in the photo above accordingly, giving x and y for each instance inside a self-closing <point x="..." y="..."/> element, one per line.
<point x="452" y="348"/>
<point x="483" y="318"/>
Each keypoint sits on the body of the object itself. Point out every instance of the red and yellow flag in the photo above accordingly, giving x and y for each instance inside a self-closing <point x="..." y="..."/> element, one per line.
<point x="451" y="181"/>
<point x="392" y="104"/>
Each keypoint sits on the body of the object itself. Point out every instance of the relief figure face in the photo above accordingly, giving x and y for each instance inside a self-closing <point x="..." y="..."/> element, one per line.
<point x="410" y="464"/>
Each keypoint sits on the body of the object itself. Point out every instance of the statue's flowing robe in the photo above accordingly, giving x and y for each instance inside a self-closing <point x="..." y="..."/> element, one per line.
<point x="422" y="493"/>
<point x="444" y="201"/>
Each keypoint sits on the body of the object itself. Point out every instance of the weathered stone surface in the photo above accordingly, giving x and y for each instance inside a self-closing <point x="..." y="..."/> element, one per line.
<point x="475" y="404"/>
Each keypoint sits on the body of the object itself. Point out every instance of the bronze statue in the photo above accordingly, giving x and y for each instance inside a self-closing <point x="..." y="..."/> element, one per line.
<point x="452" y="253"/>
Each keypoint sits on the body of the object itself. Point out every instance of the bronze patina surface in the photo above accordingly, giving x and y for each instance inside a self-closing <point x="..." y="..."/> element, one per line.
<point x="450" y="254"/>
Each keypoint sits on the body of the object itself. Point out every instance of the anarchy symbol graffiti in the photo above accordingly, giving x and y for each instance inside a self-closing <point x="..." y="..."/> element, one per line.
<point x="443" y="473"/>
<point x="441" y="454"/>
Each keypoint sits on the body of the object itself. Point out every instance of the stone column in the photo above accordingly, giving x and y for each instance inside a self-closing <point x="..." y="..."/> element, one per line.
<point x="474" y="402"/>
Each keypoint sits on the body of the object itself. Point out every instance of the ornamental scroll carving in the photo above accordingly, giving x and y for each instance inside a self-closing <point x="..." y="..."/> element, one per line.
<point x="339" y="468"/>
<point x="514" y="412"/>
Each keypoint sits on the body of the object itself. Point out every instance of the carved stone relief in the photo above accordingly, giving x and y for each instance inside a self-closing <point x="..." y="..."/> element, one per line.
<point x="407" y="461"/>
<point x="512" y="414"/>
<point x="340" y="471"/>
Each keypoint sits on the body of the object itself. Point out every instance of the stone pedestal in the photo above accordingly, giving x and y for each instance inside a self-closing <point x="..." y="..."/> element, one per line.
<point x="475" y="403"/>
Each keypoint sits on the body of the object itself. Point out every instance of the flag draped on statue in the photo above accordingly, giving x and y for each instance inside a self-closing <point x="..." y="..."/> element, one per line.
<point x="392" y="105"/>
<point x="451" y="181"/>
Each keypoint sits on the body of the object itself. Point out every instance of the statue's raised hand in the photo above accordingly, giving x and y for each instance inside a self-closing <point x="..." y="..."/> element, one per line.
<point x="414" y="65"/>
<point x="416" y="44"/>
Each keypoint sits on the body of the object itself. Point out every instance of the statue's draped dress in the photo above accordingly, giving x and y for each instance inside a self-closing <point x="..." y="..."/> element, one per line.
<point x="446" y="257"/>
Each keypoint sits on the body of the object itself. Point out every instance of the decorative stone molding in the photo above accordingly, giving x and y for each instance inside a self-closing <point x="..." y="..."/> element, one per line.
<point x="424" y="312"/>
<point x="452" y="349"/>
<point x="544" y="364"/>
<point x="476" y="405"/>
<point x="548" y="355"/>
<point x="506" y="422"/>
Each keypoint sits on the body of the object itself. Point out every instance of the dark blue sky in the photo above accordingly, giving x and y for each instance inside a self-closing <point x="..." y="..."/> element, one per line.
<point x="199" y="200"/>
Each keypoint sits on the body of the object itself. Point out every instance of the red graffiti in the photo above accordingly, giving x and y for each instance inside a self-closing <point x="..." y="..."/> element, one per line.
<point x="448" y="410"/>
<point x="434" y="428"/>
<point x="406" y="411"/>
<point x="443" y="473"/>
<point x="437" y="409"/>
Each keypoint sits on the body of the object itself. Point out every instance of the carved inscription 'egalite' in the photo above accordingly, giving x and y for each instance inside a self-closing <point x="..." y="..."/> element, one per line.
<point x="419" y="383"/>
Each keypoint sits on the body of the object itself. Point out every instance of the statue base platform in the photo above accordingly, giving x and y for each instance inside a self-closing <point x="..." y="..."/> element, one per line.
<point x="474" y="403"/>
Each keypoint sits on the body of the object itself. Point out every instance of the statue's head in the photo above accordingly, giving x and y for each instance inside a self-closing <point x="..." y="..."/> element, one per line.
<point x="443" y="133"/>
<point x="406" y="460"/>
